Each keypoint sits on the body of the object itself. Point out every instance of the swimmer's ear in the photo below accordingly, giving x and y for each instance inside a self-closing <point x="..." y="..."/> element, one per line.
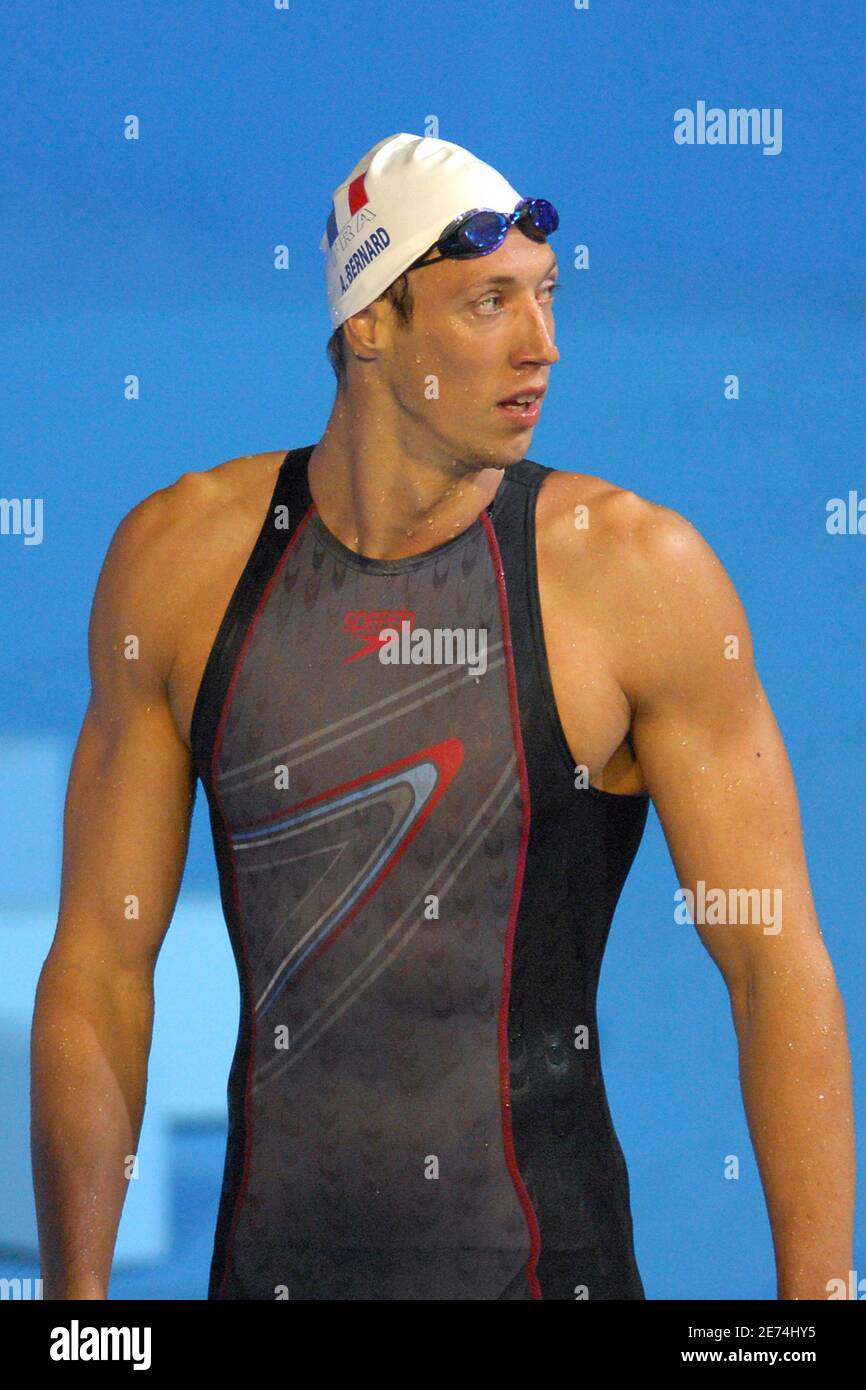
<point x="368" y="333"/>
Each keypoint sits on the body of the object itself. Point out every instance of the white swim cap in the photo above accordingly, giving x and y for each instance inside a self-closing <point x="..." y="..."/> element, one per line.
<point x="393" y="206"/>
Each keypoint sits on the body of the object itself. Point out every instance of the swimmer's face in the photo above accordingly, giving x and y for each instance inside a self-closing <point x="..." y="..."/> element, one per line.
<point x="481" y="330"/>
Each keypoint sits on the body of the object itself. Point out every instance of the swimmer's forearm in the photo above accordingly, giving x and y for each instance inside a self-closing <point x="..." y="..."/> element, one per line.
<point x="795" y="1073"/>
<point x="89" y="1052"/>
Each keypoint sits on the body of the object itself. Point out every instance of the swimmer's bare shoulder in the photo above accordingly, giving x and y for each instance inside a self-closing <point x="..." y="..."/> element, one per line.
<point x="590" y="536"/>
<point x="580" y="513"/>
<point x="646" y="584"/>
<point x="186" y="537"/>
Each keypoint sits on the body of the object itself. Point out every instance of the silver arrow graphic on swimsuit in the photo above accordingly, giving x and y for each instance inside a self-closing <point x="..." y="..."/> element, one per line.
<point x="410" y="787"/>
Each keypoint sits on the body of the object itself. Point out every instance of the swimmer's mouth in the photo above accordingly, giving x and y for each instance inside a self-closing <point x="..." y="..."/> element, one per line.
<point x="524" y="405"/>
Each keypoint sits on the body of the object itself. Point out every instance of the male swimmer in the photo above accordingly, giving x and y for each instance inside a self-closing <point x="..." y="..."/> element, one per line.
<point x="429" y="686"/>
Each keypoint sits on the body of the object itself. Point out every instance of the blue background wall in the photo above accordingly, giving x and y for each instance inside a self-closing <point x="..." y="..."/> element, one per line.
<point x="156" y="257"/>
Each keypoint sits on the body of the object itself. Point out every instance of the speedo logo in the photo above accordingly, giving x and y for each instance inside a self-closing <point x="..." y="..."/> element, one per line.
<point x="368" y="625"/>
<point x="420" y="646"/>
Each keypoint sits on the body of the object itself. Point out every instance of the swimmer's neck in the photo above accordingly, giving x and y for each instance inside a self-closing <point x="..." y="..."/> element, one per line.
<point x="388" y="496"/>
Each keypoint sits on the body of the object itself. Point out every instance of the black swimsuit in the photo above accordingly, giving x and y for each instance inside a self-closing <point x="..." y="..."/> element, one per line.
<point x="418" y="898"/>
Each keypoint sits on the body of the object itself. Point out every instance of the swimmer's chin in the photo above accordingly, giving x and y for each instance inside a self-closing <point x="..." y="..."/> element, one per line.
<point x="474" y="462"/>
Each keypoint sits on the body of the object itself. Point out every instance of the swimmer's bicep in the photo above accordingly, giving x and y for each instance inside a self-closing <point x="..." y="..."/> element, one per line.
<point x="715" y="763"/>
<point x="131" y="786"/>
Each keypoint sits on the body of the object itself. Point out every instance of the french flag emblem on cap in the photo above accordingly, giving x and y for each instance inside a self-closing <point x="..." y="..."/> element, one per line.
<point x="348" y="201"/>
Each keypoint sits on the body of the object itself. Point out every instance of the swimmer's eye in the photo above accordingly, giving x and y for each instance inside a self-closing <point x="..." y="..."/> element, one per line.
<point x="550" y="289"/>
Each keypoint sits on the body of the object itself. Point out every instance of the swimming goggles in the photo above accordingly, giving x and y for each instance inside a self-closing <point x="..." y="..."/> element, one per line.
<point x="481" y="230"/>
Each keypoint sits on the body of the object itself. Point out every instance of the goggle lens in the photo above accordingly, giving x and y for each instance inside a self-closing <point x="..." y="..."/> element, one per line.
<point x="542" y="215"/>
<point x="485" y="231"/>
